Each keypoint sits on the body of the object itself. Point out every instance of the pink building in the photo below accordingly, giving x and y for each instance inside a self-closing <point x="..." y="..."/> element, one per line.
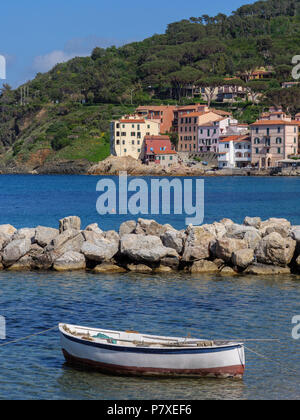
<point x="273" y="140"/>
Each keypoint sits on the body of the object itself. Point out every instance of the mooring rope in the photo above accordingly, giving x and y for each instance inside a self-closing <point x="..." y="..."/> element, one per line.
<point x="27" y="337"/>
<point x="273" y="361"/>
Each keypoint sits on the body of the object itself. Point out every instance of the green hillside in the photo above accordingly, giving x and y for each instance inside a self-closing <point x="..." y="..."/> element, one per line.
<point x="65" y="113"/>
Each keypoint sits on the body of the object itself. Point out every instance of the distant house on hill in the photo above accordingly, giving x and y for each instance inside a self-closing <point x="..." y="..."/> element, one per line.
<point x="258" y="74"/>
<point x="287" y="85"/>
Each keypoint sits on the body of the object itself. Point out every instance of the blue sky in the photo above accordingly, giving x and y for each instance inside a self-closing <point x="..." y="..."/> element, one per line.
<point x="36" y="34"/>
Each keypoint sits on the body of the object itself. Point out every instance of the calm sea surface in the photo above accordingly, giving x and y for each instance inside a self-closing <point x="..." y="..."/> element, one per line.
<point x="178" y="304"/>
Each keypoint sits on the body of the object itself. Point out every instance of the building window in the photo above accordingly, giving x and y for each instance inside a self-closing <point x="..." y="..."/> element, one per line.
<point x="278" y="140"/>
<point x="279" y="150"/>
<point x="123" y="134"/>
<point x="118" y="141"/>
<point x="256" y="140"/>
<point x="257" y="151"/>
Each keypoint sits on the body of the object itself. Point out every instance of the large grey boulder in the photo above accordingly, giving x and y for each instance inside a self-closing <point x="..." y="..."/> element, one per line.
<point x="25" y="233"/>
<point x="252" y="238"/>
<point x="239" y="231"/>
<point x="197" y="244"/>
<point x="112" y="236"/>
<point x="281" y="226"/>
<point x="101" y="250"/>
<point x="15" y="250"/>
<point x="8" y="230"/>
<point x="150" y="227"/>
<point x="253" y="222"/>
<point x="61" y="239"/>
<point x="44" y="235"/>
<point x="70" y="261"/>
<point x="216" y="229"/>
<point x="265" y="270"/>
<point x="74" y="243"/>
<point x="225" y="247"/>
<point x="275" y="250"/>
<point x="173" y="239"/>
<point x="4" y="240"/>
<point x="242" y="258"/>
<point x="295" y="233"/>
<point x="69" y="223"/>
<point x="204" y="267"/>
<point x="127" y="228"/>
<point x="94" y="228"/>
<point x="141" y="248"/>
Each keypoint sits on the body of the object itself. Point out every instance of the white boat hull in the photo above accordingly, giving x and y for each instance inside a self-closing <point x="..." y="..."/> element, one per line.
<point x="222" y="361"/>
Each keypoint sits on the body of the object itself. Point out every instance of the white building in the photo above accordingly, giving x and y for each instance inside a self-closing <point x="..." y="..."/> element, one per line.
<point x="128" y="133"/>
<point x="235" y="152"/>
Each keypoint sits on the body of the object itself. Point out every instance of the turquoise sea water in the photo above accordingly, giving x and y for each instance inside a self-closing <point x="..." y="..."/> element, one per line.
<point x="178" y="304"/>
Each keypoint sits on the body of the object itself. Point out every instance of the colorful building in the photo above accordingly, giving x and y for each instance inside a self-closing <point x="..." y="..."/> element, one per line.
<point x="188" y="127"/>
<point x="235" y="151"/>
<point x="209" y="133"/>
<point x="128" y="133"/>
<point x="274" y="137"/>
<point x="163" y="114"/>
<point x="159" y="150"/>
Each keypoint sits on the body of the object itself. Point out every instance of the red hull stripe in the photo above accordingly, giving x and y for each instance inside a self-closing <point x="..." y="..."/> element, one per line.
<point x="228" y="371"/>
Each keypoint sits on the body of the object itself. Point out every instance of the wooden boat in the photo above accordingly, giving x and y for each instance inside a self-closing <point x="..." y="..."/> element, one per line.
<point x="131" y="353"/>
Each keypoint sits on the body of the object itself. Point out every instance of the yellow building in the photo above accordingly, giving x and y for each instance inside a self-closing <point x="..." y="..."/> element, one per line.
<point x="128" y="133"/>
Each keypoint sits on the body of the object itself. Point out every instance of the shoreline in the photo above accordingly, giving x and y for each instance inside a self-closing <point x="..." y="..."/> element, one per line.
<point x="256" y="247"/>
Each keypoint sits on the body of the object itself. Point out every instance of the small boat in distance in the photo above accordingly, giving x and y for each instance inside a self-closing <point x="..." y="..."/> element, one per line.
<point x="131" y="353"/>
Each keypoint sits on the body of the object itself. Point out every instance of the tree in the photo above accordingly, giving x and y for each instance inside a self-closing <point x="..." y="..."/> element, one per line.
<point x="256" y="90"/>
<point x="210" y="86"/>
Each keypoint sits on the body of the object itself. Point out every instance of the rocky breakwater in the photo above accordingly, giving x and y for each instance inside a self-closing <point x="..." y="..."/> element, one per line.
<point x="256" y="247"/>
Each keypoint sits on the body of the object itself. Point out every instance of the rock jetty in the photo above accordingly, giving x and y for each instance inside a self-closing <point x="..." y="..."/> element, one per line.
<point x="256" y="247"/>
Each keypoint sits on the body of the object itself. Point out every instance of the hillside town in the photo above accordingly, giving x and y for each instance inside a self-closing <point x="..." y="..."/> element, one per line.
<point x="207" y="134"/>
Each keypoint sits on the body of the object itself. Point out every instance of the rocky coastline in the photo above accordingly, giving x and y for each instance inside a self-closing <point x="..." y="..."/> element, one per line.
<point x="113" y="165"/>
<point x="255" y="247"/>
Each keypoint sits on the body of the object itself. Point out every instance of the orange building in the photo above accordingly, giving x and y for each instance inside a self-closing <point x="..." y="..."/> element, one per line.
<point x="164" y="114"/>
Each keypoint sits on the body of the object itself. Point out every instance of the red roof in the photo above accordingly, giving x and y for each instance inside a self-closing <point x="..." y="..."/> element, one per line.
<point x="274" y="122"/>
<point x="237" y="138"/>
<point x="158" y="145"/>
<point x="133" y="121"/>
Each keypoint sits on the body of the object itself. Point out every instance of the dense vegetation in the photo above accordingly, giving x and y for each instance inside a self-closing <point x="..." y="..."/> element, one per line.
<point x="69" y="108"/>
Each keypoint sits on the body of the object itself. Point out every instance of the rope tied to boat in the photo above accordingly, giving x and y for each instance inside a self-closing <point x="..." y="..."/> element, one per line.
<point x="28" y="336"/>
<point x="272" y="360"/>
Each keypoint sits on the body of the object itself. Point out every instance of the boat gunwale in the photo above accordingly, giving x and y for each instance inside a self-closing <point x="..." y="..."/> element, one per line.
<point x="146" y="349"/>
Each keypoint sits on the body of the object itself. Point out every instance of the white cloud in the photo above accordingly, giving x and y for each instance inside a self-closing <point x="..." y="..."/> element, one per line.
<point x="76" y="47"/>
<point x="44" y="63"/>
